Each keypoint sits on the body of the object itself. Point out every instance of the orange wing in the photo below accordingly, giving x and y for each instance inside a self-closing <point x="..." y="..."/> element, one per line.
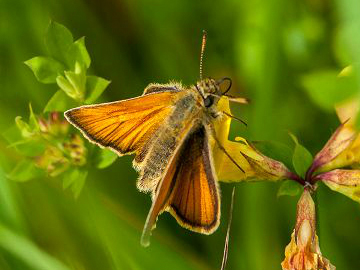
<point x="123" y="126"/>
<point x="188" y="189"/>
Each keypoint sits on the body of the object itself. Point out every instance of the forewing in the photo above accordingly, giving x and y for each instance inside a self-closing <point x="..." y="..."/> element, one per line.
<point x="123" y="126"/>
<point x="188" y="189"/>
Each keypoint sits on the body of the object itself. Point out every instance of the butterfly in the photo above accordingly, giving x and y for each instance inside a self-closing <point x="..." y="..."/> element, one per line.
<point x="169" y="129"/>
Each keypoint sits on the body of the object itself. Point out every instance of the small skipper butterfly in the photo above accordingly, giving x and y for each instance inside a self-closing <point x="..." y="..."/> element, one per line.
<point x="168" y="129"/>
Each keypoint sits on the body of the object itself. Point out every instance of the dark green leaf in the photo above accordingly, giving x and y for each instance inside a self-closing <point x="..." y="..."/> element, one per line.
<point x="78" y="53"/>
<point x="105" y="158"/>
<point x="59" y="102"/>
<point x="95" y="86"/>
<point x="289" y="188"/>
<point x="24" y="171"/>
<point x="326" y="88"/>
<point x="58" y="40"/>
<point x="45" y="69"/>
<point x="302" y="158"/>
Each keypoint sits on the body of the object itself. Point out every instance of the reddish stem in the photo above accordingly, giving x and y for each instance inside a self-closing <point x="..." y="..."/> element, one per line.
<point x="297" y="178"/>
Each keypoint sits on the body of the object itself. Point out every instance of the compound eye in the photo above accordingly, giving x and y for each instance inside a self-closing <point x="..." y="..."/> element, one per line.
<point x="208" y="101"/>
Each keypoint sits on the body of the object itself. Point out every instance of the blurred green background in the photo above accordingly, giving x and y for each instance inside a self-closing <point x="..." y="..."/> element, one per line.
<point x="265" y="46"/>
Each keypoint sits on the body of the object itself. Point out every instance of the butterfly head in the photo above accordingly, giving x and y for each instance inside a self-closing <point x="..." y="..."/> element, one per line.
<point x="210" y="90"/>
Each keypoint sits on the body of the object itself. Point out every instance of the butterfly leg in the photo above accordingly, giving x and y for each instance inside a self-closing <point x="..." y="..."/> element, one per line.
<point x="222" y="148"/>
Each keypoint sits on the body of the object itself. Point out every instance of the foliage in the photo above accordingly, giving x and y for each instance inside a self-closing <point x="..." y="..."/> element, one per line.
<point x="49" y="146"/>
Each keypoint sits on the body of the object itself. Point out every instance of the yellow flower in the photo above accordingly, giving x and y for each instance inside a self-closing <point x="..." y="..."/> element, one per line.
<point x="255" y="165"/>
<point x="303" y="252"/>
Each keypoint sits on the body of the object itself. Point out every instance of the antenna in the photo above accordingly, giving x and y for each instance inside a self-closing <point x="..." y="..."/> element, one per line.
<point x="203" y="44"/>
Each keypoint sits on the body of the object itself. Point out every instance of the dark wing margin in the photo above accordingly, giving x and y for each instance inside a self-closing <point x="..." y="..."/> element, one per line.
<point x="156" y="88"/>
<point x="188" y="189"/>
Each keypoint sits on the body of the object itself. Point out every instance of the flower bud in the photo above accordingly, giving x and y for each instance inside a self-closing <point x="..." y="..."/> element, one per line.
<point x="303" y="252"/>
<point x="346" y="182"/>
<point x="331" y="156"/>
<point x="52" y="161"/>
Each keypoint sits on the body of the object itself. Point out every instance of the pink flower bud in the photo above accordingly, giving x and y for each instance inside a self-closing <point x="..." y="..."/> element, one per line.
<point x="346" y="182"/>
<point x="303" y="252"/>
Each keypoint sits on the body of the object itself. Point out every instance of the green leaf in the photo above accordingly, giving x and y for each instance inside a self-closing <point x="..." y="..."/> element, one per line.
<point x="58" y="40"/>
<point x="78" y="53"/>
<point x="24" y="128"/>
<point x="30" y="129"/>
<point x="105" y="158"/>
<point x="12" y="135"/>
<point x="326" y="88"/>
<point x="66" y="86"/>
<point x="30" y="148"/>
<point x="73" y="84"/>
<point x="75" y="178"/>
<point x="77" y="79"/>
<point x="33" y="121"/>
<point x="45" y="69"/>
<point x="302" y="158"/>
<point x="59" y="102"/>
<point x="24" y="171"/>
<point x="79" y="184"/>
<point x="95" y="86"/>
<point x="289" y="188"/>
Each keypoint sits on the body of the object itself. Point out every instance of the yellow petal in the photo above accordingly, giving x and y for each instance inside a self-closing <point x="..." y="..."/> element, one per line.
<point x="227" y="171"/>
<point x="222" y="128"/>
<point x="254" y="165"/>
